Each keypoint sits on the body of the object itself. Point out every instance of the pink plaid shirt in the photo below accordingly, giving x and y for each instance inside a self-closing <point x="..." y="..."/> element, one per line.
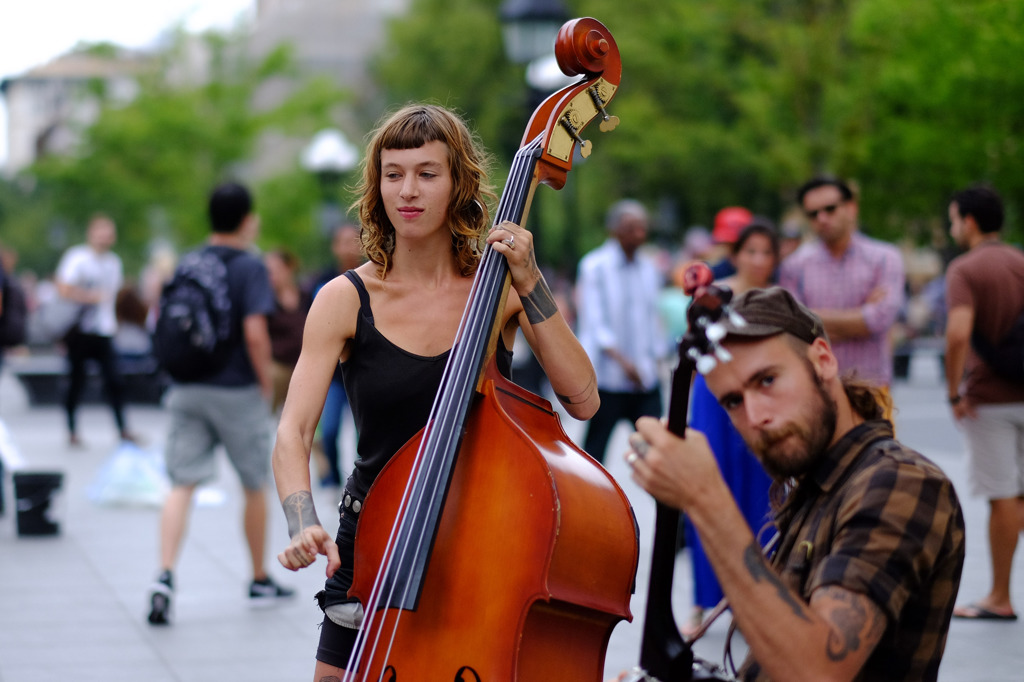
<point x="820" y="281"/>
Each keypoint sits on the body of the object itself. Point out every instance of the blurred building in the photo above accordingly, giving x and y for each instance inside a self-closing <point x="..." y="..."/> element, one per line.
<point x="48" y="104"/>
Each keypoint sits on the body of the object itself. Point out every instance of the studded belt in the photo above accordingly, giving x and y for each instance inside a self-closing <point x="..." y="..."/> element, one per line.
<point x="351" y="503"/>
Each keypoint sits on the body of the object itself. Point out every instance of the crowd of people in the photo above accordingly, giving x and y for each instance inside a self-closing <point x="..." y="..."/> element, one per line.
<point x="791" y="438"/>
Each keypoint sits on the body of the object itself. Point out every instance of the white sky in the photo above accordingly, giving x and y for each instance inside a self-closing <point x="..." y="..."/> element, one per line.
<point x="32" y="32"/>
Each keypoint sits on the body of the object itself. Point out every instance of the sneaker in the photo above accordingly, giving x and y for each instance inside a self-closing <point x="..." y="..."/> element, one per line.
<point x="266" y="591"/>
<point x="160" y="600"/>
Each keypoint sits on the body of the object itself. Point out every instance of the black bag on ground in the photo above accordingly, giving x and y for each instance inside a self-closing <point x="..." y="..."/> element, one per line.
<point x="14" y="316"/>
<point x="193" y="331"/>
<point x="1006" y="358"/>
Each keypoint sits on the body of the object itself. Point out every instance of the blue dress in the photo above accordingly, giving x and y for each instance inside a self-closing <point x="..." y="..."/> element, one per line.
<point x="742" y="473"/>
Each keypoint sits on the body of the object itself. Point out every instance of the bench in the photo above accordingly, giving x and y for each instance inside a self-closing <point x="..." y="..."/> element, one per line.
<point x="44" y="378"/>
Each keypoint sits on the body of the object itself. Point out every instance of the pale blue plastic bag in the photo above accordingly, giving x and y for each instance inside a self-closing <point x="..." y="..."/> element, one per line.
<point x="131" y="476"/>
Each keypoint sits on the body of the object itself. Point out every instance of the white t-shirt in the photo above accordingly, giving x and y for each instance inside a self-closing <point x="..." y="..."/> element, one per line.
<point x="82" y="267"/>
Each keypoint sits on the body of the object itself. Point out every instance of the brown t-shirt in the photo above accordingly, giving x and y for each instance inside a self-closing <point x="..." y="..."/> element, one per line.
<point x="990" y="279"/>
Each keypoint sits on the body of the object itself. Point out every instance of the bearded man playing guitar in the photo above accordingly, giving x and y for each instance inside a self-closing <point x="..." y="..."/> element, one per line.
<point x="871" y="546"/>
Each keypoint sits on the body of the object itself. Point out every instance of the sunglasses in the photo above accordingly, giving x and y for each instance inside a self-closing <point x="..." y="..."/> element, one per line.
<point x="827" y="210"/>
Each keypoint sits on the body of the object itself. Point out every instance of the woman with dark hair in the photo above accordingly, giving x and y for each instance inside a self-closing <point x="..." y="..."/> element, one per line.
<point x="391" y="323"/>
<point x="755" y="255"/>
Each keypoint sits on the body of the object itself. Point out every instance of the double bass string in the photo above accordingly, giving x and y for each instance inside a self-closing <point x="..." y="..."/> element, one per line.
<point x="435" y="455"/>
<point x="468" y="355"/>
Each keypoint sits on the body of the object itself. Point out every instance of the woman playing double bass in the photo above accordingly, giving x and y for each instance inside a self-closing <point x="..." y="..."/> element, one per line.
<point x="391" y="324"/>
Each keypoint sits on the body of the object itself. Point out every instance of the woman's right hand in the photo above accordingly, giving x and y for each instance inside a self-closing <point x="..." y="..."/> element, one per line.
<point x="306" y="545"/>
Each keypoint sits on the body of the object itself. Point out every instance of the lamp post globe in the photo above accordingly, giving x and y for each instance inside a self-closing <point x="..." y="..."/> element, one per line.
<point x="328" y="156"/>
<point x="529" y="27"/>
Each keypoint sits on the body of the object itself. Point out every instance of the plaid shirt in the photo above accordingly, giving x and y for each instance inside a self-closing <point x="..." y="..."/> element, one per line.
<point x="881" y="520"/>
<point x="822" y="282"/>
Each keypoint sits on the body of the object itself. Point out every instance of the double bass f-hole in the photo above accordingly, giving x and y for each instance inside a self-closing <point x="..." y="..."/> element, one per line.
<point x="467" y="674"/>
<point x="463" y="674"/>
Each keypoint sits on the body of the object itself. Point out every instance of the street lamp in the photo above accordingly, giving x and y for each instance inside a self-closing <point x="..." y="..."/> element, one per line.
<point x="529" y="27"/>
<point x="329" y="155"/>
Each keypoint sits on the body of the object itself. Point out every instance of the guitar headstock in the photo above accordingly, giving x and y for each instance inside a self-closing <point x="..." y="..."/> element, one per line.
<point x="709" y="305"/>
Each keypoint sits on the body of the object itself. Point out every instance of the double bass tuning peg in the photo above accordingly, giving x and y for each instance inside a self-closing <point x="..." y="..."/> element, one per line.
<point x="608" y="122"/>
<point x="585" y="146"/>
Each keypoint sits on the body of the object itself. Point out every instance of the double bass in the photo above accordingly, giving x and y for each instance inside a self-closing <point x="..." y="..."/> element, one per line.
<point x="491" y="547"/>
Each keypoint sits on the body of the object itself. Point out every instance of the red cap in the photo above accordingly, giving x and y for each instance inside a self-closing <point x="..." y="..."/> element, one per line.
<point x="729" y="222"/>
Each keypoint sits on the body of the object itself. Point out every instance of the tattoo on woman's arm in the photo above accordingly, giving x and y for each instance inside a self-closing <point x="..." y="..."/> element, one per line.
<point x="299" y="511"/>
<point x="579" y="397"/>
<point x="539" y="304"/>
<point x="760" y="571"/>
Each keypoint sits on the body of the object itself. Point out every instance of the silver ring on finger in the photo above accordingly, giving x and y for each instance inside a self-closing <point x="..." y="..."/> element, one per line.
<point x="510" y="242"/>
<point x="639" y="445"/>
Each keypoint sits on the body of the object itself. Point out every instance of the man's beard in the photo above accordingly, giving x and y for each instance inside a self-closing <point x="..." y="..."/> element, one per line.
<point x="806" y="442"/>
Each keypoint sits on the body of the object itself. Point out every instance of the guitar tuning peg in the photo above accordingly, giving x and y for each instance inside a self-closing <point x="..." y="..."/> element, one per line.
<point x="722" y="354"/>
<point x="706" y="363"/>
<point x="735" y="319"/>
<point x="715" y="332"/>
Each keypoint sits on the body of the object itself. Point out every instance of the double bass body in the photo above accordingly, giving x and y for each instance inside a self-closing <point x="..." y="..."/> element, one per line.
<point x="529" y="571"/>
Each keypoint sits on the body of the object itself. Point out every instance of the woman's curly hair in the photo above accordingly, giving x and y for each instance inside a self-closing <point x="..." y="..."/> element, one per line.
<point x="411" y="127"/>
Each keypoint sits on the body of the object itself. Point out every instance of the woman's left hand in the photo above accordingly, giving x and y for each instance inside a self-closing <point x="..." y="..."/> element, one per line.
<point x="516" y="244"/>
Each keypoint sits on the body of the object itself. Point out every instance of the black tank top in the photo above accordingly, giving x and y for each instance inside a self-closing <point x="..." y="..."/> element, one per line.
<point x="391" y="392"/>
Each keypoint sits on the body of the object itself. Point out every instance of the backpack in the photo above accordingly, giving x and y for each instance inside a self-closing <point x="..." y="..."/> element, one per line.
<point x="1006" y="357"/>
<point x="193" y="334"/>
<point x="14" y="316"/>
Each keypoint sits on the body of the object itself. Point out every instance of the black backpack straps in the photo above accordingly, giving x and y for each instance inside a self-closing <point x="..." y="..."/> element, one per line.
<point x="225" y="253"/>
<point x="364" y="295"/>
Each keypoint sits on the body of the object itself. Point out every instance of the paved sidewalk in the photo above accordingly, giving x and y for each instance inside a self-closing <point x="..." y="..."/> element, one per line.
<point x="73" y="605"/>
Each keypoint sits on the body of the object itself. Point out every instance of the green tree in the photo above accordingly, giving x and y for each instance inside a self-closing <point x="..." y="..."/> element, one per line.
<point x="938" y="108"/>
<point x="738" y="101"/>
<point x="151" y="163"/>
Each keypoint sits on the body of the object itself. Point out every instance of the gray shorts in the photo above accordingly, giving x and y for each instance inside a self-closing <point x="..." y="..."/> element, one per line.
<point x="995" y="445"/>
<point x="203" y="417"/>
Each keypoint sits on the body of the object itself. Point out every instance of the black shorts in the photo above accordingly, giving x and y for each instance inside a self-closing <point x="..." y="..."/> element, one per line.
<point x="336" y="641"/>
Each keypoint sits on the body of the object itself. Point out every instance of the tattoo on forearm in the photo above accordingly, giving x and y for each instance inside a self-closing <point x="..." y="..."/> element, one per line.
<point x="299" y="511"/>
<point x="577" y="398"/>
<point x="760" y="571"/>
<point x="539" y="304"/>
